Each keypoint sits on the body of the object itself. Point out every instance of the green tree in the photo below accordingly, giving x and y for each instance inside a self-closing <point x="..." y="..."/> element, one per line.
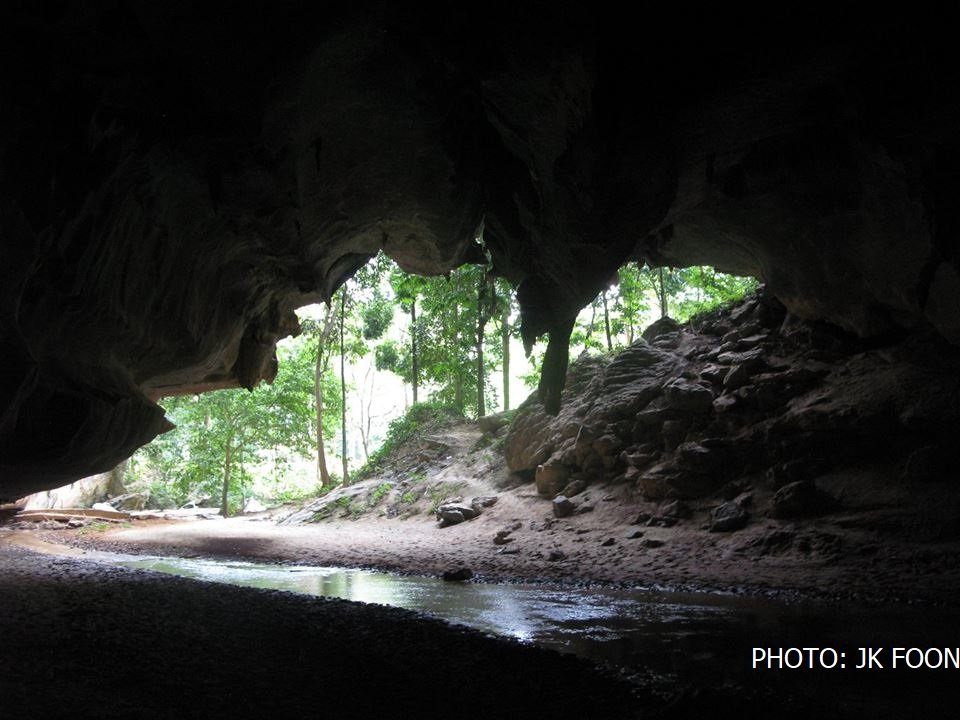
<point x="220" y="435"/>
<point x="321" y="335"/>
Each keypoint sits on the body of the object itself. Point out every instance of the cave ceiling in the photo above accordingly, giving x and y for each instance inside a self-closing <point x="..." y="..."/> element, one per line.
<point x="176" y="178"/>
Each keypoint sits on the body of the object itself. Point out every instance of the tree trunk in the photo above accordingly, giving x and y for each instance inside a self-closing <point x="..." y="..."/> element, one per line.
<point x="366" y="419"/>
<point x="593" y="320"/>
<point x="663" y="294"/>
<point x="453" y="349"/>
<point x="227" y="463"/>
<point x="484" y="309"/>
<point x="343" y="390"/>
<point x="505" y="339"/>
<point x="606" y="321"/>
<point x="413" y="348"/>
<point x="323" y="359"/>
<point x="115" y="484"/>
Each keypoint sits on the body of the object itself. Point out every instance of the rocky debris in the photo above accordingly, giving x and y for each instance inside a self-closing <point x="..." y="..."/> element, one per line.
<point x="799" y="499"/>
<point x="490" y="424"/>
<point x="574" y="487"/>
<point x="660" y="327"/>
<point x="728" y="517"/>
<point x="737" y="396"/>
<point x="459" y="574"/>
<point x="609" y="542"/>
<point x="551" y="478"/>
<point x="555" y="555"/>
<point x="652" y="543"/>
<point x="130" y="501"/>
<point x="253" y="506"/>
<point x="563" y="507"/>
<point x="456" y="512"/>
<point x="502" y="537"/>
<point x="635" y="534"/>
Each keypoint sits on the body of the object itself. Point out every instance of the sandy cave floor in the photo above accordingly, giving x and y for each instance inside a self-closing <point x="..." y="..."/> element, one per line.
<point x="825" y="559"/>
<point x="145" y="646"/>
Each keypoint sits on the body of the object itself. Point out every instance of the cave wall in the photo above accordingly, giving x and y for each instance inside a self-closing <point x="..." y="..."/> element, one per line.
<point x="176" y="179"/>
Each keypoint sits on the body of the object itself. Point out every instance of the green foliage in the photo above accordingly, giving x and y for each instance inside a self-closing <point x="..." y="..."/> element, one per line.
<point x="231" y="432"/>
<point x="97" y="526"/>
<point x="376" y="315"/>
<point x="380" y="493"/>
<point x="638" y="295"/>
<point x="420" y="417"/>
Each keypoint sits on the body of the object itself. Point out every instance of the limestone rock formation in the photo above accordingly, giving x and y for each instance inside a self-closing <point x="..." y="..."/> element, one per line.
<point x="812" y="400"/>
<point x="176" y="178"/>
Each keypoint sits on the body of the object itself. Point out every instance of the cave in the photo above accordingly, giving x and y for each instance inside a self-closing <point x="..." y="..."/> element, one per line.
<point x="176" y="179"/>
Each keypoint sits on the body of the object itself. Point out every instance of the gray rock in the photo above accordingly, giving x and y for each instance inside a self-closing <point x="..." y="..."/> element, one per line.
<point x="675" y="509"/>
<point x="491" y="423"/>
<point x="797" y="499"/>
<point x="608" y="542"/>
<point x="562" y="507"/>
<point x="673" y="433"/>
<point x="607" y="445"/>
<point x="555" y="555"/>
<point x="653" y="543"/>
<point x="502" y="537"/>
<point x="725" y="403"/>
<point x="688" y="397"/>
<point x="713" y="373"/>
<point x="574" y="487"/>
<point x="751" y="359"/>
<point x="453" y="513"/>
<point x="737" y="377"/>
<point x="449" y="517"/>
<point x="551" y="477"/>
<point x="728" y="517"/>
<point x="660" y="327"/>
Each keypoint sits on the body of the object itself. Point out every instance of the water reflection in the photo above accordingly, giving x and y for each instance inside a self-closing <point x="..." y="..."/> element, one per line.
<point x="699" y="636"/>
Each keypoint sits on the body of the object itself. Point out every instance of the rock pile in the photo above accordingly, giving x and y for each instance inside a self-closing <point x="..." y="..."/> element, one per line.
<point x="738" y="398"/>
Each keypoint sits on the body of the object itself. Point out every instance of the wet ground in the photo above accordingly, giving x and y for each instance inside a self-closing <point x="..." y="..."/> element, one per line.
<point x="708" y="642"/>
<point x="84" y="640"/>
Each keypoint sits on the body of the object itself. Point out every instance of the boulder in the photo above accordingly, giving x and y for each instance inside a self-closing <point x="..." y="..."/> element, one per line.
<point x="728" y="517"/>
<point x="675" y="509"/>
<point x="574" y="487"/>
<point x="688" y="397"/>
<point x="736" y="377"/>
<point x="453" y="513"/>
<point x="798" y="499"/>
<point x="563" y="507"/>
<point x="489" y="424"/>
<point x="551" y="477"/>
<point x="660" y="327"/>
